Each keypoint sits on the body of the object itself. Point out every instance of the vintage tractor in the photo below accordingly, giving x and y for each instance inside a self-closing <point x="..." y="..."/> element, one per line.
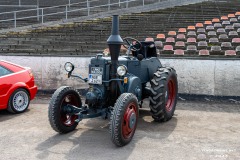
<point x="117" y="88"/>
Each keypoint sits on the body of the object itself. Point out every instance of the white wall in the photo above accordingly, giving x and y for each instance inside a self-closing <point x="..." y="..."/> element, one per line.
<point x="195" y="76"/>
<point x="209" y="77"/>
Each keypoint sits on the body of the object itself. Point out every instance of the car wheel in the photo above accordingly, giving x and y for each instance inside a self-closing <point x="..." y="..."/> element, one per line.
<point x="19" y="101"/>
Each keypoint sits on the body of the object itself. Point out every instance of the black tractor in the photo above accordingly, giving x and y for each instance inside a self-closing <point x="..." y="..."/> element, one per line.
<point x="117" y="87"/>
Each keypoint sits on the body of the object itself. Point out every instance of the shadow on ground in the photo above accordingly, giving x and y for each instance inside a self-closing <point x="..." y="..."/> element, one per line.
<point x="210" y="106"/>
<point x="95" y="140"/>
<point x="5" y="115"/>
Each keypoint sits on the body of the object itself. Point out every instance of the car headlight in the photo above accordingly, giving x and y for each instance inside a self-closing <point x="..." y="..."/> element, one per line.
<point x="69" y="67"/>
<point x="122" y="70"/>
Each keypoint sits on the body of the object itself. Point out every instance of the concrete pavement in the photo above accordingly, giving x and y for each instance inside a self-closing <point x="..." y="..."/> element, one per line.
<point x="198" y="130"/>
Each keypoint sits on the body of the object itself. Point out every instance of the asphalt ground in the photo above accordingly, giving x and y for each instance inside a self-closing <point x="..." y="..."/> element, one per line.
<point x="198" y="130"/>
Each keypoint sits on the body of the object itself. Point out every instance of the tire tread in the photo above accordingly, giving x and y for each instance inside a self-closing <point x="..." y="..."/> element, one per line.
<point x="53" y="110"/>
<point x="157" y="101"/>
<point x="116" y="118"/>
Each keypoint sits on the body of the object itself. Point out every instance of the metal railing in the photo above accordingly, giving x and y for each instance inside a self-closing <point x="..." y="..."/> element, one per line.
<point x="63" y="11"/>
<point x="19" y="4"/>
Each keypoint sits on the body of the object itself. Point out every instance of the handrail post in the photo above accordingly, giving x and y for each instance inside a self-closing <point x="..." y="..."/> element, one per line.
<point x="119" y="3"/>
<point x="69" y="3"/>
<point x="88" y="7"/>
<point x="109" y="2"/>
<point x="127" y="4"/>
<point x="19" y="3"/>
<point x="143" y="2"/>
<point x="66" y="12"/>
<point x="15" y="19"/>
<point x="38" y="10"/>
<point x="42" y="15"/>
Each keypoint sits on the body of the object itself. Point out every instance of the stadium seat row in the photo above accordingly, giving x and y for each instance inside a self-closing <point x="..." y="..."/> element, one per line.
<point x="219" y="36"/>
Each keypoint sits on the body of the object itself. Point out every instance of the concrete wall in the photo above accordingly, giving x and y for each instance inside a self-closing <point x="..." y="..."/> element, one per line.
<point x="195" y="76"/>
<point x="208" y="77"/>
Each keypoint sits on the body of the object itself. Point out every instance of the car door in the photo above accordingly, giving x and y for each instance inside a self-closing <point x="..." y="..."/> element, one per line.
<point x="5" y="85"/>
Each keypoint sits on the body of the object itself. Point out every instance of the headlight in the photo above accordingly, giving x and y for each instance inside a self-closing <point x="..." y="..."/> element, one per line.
<point x="69" y="67"/>
<point x="122" y="70"/>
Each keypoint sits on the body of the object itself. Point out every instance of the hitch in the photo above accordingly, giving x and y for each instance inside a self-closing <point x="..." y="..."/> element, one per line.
<point x="84" y="112"/>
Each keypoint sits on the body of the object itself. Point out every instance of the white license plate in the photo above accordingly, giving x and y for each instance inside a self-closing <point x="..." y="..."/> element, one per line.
<point x="95" y="79"/>
<point x="96" y="70"/>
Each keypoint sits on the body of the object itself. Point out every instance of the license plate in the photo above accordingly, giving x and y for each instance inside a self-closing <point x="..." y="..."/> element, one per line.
<point x="95" y="79"/>
<point x="96" y="70"/>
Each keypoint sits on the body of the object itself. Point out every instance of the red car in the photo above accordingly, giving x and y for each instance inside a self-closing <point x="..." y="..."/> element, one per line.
<point x="17" y="87"/>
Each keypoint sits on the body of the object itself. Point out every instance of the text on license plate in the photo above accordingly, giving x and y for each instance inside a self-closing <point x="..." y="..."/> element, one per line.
<point x="96" y="70"/>
<point x="95" y="79"/>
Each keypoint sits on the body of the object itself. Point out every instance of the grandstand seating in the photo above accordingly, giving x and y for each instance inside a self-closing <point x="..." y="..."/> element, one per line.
<point x="203" y="29"/>
<point x="179" y="52"/>
<point x="222" y="38"/>
<point x="203" y="52"/>
<point x="55" y="10"/>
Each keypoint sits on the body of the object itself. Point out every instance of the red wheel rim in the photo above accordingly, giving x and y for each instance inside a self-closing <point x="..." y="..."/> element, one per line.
<point x="129" y="122"/>
<point x="170" y="95"/>
<point x="67" y="119"/>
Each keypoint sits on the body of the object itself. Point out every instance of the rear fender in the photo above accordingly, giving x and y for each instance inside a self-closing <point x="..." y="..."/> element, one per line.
<point x="6" y="96"/>
<point x="18" y="85"/>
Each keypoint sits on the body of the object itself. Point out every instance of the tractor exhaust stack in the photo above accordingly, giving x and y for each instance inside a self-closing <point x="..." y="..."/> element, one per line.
<point x="114" y="42"/>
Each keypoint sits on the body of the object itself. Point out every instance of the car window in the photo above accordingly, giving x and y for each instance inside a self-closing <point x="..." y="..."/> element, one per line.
<point x="4" y="71"/>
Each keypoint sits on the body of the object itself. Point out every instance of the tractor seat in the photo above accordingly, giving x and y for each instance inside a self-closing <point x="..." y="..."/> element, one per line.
<point x="148" y="50"/>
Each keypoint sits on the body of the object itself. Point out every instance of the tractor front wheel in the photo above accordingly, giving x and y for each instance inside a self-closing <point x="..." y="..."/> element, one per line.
<point x="61" y="121"/>
<point x="164" y="87"/>
<point x="124" y="119"/>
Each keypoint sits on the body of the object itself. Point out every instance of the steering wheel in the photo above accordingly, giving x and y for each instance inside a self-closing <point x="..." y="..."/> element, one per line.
<point x="131" y="44"/>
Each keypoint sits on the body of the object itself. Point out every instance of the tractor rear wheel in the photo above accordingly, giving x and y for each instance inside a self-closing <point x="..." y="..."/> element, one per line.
<point x="61" y="121"/>
<point x="164" y="88"/>
<point x="124" y="117"/>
